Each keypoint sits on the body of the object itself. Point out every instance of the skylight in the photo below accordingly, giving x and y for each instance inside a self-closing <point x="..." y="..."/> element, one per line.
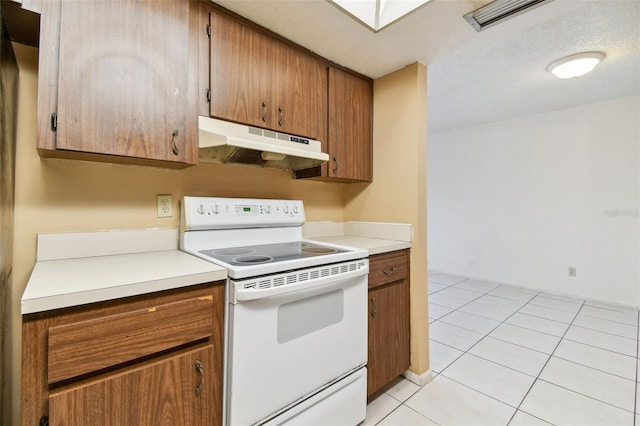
<point x="377" y="14"/>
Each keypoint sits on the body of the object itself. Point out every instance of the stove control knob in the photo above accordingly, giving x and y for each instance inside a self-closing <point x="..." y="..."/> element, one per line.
<point x="267" y="209"/>
<point x="215" y="209"/>
<point x="295" y="209"/>
<point x="285" y="209"/>
<point x="200" y="209"/>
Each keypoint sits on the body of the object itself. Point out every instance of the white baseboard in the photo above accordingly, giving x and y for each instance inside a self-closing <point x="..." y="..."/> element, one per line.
<point x="418" y="379"/>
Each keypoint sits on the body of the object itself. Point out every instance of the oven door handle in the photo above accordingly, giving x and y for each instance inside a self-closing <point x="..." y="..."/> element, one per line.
<point x="247" y="294"/>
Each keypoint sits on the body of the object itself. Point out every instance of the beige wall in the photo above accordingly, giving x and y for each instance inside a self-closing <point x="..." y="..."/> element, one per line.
<point x="399" y="190"/>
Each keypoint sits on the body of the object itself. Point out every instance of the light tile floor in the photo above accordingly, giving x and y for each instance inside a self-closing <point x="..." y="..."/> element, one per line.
<point x="505" y="355"/>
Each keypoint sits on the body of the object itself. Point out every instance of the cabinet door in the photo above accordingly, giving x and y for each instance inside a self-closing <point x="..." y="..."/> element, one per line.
<point x="240" y="73"/>
<point x="300" y="88"/>
<point x="350" y="141"/>
<point x="389" y="351"/>
<point x="123" y="80"/>
<point x="160" y="393"/>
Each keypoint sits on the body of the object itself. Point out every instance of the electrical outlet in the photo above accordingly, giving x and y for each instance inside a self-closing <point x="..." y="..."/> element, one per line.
<point x="165" y="205"/>
<point x="572" y="271"/>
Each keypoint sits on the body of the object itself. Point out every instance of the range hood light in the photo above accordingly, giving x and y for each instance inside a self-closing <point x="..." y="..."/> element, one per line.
<point x="272" y="156"/>
<point x="575" y="65"/>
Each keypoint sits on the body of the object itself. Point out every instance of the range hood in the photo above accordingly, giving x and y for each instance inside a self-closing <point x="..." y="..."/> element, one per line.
<point x="224" y="142"/>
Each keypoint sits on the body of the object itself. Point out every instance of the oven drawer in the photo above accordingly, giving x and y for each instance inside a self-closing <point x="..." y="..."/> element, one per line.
<point x="91" y="345"/>
<point x="387" y="268"/>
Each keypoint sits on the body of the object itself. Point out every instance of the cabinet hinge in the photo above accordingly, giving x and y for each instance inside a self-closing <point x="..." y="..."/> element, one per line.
<point x="208" y="95"/>
<point x="54" y="122"/>
<point x="209" y="30"/>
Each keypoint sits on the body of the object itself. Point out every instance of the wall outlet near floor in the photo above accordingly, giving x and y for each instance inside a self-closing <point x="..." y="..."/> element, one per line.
<point x="165" y="205"/>
<point x="572" y="271"/>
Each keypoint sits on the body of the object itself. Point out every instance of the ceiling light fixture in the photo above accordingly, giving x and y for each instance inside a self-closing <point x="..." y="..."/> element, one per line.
<point x="377" y="14"/>
<point x="575" y="65"/>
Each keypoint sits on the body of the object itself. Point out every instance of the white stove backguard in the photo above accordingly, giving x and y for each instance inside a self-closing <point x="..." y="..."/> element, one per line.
<point x="202" y="213"/>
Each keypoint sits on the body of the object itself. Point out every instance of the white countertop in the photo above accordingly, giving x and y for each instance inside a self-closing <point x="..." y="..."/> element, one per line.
<point x="375" y="237"/>
<point x="61" y="283"/>
<point x="373" y="245"/>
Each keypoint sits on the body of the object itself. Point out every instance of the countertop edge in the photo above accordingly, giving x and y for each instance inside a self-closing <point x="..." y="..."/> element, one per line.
<point x="38" y="297"/>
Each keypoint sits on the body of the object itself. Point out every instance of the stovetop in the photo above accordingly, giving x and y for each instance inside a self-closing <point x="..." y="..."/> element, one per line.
<point x="270" y="253"/>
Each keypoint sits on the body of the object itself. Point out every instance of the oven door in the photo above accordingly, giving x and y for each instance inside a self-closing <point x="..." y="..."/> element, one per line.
<point x="288" y="345"/>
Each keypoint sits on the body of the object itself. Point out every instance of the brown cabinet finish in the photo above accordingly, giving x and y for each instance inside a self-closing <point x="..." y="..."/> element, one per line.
<point x="261" y="81"/>
<point x="240" y="62"/>
<point x="160" y="393"/>
<point x="123" y="82"/>
<point x="300" y="93"/>
<point x="350" y="141"/>
<point x="91" y="345"/>
<point x="389" y="329"/>
<point x="164" y="368"/>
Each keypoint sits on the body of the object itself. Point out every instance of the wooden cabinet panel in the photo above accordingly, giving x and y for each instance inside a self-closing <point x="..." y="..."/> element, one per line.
<point x="389" y="352"/>
<point x="123" y="83"/>
<point x="387" y="268"/>
<point x="388" y="335"/>
<point x="160" y="393"/>
<point x="240" y="64"/>
<point x="86" y="346"/>
<point x="261" y="81"/>
<point x="350" y="140"/>
<point x="300" y="91"/>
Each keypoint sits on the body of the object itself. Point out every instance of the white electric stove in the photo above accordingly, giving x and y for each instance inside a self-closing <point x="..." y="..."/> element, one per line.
<point x="296" y="316"/>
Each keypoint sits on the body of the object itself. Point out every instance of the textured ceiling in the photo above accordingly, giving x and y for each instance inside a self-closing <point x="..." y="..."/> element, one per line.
<point x="474" y="78"/>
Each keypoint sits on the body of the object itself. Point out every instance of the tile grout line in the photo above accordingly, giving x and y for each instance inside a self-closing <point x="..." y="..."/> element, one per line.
<point x="485" y="334"/>
<point x="472" y="346"/>
<point x="479" y="340"/>
<point x="584" y="303"/>
<point x="635" y="389"/>
<point x="545" y="365"/>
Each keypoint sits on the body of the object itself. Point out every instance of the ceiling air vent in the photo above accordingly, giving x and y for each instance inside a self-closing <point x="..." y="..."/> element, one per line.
<point x="500" y="10"/>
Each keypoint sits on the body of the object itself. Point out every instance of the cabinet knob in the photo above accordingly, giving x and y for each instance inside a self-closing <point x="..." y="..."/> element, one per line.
<point x="335" y="165"/>
<point x="200" y="368"/>
<point x="264" y="112"/>
<point x="373" y="301"/>
<point x="280" y="119"/>
<point x="373" y="314"/>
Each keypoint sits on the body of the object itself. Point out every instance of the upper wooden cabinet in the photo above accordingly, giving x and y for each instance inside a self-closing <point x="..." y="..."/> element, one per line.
<point x="350" y="141"/>
<point x="261" y="81"/>
<point x="116" y="84"/>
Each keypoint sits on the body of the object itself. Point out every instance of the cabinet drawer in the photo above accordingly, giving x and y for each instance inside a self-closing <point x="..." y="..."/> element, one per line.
<point x="86" y="346"/>
<point x="387" y="268"/>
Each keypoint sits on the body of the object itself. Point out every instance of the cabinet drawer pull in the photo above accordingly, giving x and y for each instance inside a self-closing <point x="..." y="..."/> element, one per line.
<point x="280" y="120"/>
<point x="174" y="147"/>
<point x="264" y="112"/>
<point x="373" y="314"/>
<point x="389" y="272"/>
<point x="335" y="165"/>
<point x="200" y="369"/>
<point x="373" y="301"/>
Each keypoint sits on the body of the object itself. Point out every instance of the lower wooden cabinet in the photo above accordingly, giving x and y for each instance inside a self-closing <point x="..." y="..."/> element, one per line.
<point x="153" y="359"/>
<point x="389" y="322"/>
<point x="175" y="391"/>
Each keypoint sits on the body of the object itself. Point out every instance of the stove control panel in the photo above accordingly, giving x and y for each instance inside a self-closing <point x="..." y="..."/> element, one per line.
<point x="221" y="213"/>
